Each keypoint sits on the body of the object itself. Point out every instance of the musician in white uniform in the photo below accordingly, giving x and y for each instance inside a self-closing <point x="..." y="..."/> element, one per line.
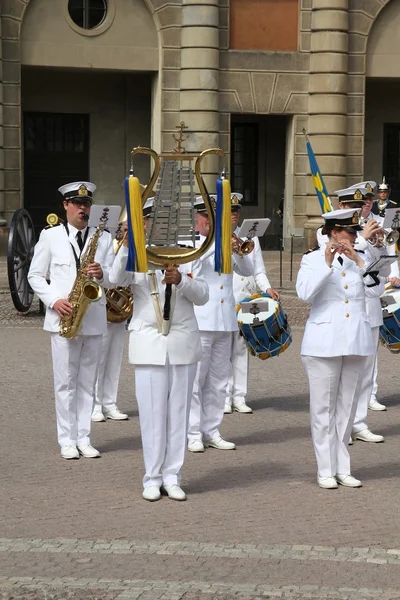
<point x="165" y="366"/>
<point x="109" y="367"/>
<point x="217" y="320"/>
<point x="57" y="256"/>
<point x="243" y="287"/>
<point x="336" y="343"/>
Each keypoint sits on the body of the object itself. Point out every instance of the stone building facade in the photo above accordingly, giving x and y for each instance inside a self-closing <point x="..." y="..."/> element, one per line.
<point x="244" y="75"/>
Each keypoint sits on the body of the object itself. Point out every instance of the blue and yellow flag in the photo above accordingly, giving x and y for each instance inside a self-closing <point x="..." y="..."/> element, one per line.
<point x="318" y="182"/>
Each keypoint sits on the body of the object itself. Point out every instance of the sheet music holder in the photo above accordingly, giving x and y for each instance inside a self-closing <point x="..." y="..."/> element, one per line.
<point x="392" y="218"/>
<point x="383" y="261"/>
<point x="96" y="212"/>
<point x="253" y="228"/>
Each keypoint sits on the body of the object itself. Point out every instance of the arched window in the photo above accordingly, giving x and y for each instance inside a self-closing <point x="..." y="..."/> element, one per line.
<point x="87" y="14"/>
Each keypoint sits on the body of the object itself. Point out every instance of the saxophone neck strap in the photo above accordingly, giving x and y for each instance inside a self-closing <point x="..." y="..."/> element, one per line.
<point x="77" y="258"/>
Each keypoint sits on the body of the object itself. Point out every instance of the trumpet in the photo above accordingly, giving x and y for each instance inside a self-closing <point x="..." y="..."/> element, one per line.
<point x="242" y="247"/>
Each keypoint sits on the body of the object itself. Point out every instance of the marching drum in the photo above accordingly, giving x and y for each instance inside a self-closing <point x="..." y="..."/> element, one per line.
<point x="263" y="325"/>
<point x="389" y="332"/>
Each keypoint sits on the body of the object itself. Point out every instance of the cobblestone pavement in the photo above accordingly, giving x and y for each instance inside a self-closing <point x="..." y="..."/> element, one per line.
<point x="255" y="524"/>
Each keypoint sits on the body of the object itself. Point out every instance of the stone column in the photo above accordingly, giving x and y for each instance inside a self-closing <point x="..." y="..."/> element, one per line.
<point x="200" y="80"/>
<point x="3" y="221"/>
<point x="327" y="104"/>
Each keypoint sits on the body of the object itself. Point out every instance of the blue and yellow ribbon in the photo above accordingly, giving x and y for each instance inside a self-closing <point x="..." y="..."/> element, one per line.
<point x="137" y="257"/>
<point x="223" y="228"/>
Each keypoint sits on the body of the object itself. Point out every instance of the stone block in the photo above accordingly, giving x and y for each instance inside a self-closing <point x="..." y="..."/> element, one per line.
<point x="239" y="85"/>
<point x="11" y="137"/>
<point x="201" y="120"/>
<point x="12" y="159"/>
<point x="332" y="182"/>
<point x="11" y="93"/>
<point x="289" y="62"/>
<point x="170" y="100"/>
<point x="12" y="181"/>
<point x="224" y="39"/>
<point x="169" y="16"/>
<point x="199" y="79"/>
<point x="10" y="28"/>
<point x="357" y="43"/>
<point x="357" y="63"/>
<point x="296" y="104"/>
<point x="306" y="4"/>
<point x="204" y="16"/>
<point x="201" y="2"/>
<point x="10" y="50"/>
<point x="200" y="37"/>
<point x="328" y="62"/>
<point x="299" y="205"/>
<point x="12" y="115"/>
<point x="300" y="145"/>
<point x="301" y="123"/>
<point x="172" y="58"/>
<point x="229" y="102"/>
<point x="329" y="83"/>
<point x="330" y="4"/>
<point x="193" y="58"/>
<point x="11" y="72"/>
<point x="198" y="100"/>
<point x="287" y="84"/>
<point x="356" y="84"/>
<point x="360" y="23"/>
<point x="355" y="145"/>
<point x="300" y="185"/>
<point x="322" y="41"/>
<point x="369" y="7"/>
<point x="329" y="20"/>
<point x="301" y="165"/>
<point x="13" y="8"/>
<point x="355" y="167"/>
<point x="327" y="103"/>
<point x="12" y="200"/>
<point x="332" y="166"/>
<point x="224" y="122"/>
<point x="329" y="144"/>
<point x="305" y="20"/>
<point x="171" y="37"/>
<point x="305" y="41"/>
<point x="223" y="18"/>
<point x="171" y="79"/>
<point x="326" y="124"/>
<point x="355" y="125"/>
<point x="355" y="105"/>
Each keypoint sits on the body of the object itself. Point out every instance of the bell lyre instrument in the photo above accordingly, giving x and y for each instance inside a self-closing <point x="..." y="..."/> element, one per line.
<point x="170" y="228"/>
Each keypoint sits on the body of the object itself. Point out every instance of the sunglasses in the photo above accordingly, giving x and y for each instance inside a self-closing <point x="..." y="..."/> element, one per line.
<point x="79" y="202"/>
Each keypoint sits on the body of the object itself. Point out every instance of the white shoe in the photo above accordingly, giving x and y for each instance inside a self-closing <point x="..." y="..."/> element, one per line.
<point x="97" y="416"/>
<point x="116" y="415"/>
<point x="375" y="405"/>
<point x="175" y="492"/>
<point x="88" y="451"/>
<point x="328" y="483"/>
<point x="151" y="493"/>
<point x="219" y="443"/>
<point x="242" y="408"/>
<point x="196" y="446"/>
<point x="351" y="441"/>
<point x="69" y="452"/>
<point x="367" y="436"/>
<point x="228" y="409"/>
<point x="348" y="480"/>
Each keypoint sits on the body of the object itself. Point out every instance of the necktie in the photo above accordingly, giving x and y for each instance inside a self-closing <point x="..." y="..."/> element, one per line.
<point x="79" y="240"/>
<point x="340" y="260"/>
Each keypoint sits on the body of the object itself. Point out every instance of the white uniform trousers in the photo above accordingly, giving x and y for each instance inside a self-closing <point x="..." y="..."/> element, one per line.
<point x="375" y="382"/>
<point x="163" y="395"/>
<point x="360" y="421"/>
<point x="335" y="384"/>
<point x="110" y="359"/>
<point x="238" y="371"/>
<point x="74" y="369"/>
<point x="209" y="391"/>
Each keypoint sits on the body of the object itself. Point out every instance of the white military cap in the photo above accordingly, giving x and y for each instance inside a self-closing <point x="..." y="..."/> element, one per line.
<point x="345" y="217"/>
<point x="78" y="189"/>
<point x="352" y="194"/>
<point x="148" y="205"/>
<point x="199" y="203"/>
<point x="368" y="185"/>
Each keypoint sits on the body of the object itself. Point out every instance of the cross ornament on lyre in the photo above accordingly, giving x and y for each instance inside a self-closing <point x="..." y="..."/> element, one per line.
<point x="179" y="137"/>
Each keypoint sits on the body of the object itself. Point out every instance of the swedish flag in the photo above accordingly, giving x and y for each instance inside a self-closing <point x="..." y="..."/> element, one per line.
<point x="318" y="182"/>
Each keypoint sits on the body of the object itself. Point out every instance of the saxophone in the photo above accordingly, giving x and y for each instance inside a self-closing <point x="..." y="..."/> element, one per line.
<point x="85" y="290"/>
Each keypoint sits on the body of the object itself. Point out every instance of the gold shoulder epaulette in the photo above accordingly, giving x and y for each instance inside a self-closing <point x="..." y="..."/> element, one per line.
<point x="312" y="250"/>
<point x="52" y="226"/>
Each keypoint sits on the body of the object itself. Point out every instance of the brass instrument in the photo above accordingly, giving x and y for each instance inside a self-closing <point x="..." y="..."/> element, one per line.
<point x="119" y="299"/>
<point x="85" y="290"/>
<point x="382" y="238"/>
<point x="242" y="247"/>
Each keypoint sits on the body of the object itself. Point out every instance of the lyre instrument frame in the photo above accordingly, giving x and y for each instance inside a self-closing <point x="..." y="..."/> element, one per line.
<point x="166" y="255"/>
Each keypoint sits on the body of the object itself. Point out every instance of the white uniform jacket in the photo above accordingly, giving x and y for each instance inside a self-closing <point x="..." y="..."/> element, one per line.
<point x="219" y="314"/>
<point x="338" y="324"/>
<point x="244" y="286"/>
<point x="147" y="346"/>
<point x="54" y="258"/>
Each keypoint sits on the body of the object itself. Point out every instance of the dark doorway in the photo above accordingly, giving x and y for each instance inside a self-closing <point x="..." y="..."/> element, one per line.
<point x="56" y="151"/>
<point x="391" y="158"/>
